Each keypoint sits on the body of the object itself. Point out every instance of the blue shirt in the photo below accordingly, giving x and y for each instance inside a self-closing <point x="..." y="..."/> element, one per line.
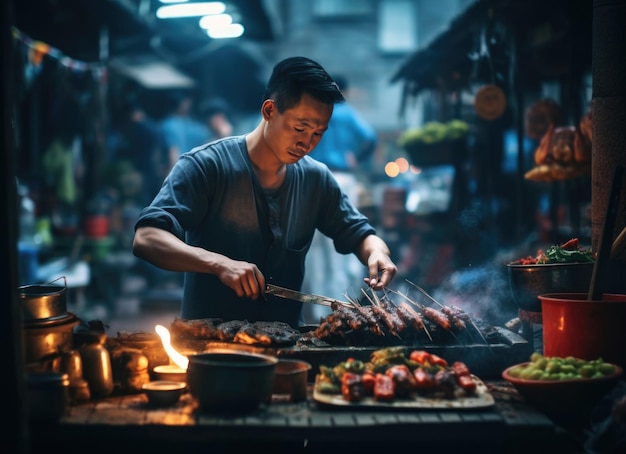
<point x="184" y="133"/>
<point x="347" y="132"/>
<point x="212" y="199"/>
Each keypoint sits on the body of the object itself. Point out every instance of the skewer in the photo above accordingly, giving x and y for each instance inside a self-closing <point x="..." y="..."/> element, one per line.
<point x="375" y="296"/>
<point x="352" y="301"/>
<point x="420" y="307"/>
<point x="426" y="294"/>
<point x="368" y="298"/>
<point x="373" y="326"/>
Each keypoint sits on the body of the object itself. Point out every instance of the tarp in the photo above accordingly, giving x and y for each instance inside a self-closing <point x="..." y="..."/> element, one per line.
<point x="152" y="74"/>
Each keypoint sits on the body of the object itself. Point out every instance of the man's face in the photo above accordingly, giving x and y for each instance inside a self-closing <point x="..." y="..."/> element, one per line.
<point x="295" y="133"/>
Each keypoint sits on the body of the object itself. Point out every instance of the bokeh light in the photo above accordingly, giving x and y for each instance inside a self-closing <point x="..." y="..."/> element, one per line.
<point x="392" y="170"/>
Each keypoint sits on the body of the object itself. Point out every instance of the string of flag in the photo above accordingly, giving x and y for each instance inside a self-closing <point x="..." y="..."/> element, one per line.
<point x="37" y="50"/>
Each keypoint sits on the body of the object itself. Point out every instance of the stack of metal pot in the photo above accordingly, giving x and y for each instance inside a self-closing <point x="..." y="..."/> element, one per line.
<point x="48" y="327"/>
<point x="48" y="334"/>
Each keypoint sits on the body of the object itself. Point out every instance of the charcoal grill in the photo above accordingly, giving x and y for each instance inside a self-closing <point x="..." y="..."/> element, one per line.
<point x="504" y="348"/>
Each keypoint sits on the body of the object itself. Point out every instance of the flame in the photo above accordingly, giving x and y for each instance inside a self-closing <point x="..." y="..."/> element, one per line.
<point x="180" y="360"/>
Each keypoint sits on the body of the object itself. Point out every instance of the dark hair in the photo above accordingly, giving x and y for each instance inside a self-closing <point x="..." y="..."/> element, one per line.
<point x="295" y="76"/>
<point x="342" y="81"/>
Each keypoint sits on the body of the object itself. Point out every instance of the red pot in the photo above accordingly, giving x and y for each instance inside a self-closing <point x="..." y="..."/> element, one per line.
<point x="96" y="226"/>
<point x="587" y="329"/>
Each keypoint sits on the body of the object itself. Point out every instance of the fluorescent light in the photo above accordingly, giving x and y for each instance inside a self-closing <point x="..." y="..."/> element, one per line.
<point x="190" y="9"/>
<point x="172" y="1"/>
<point x="218" y="20"/>
<point x="229" y="31"/>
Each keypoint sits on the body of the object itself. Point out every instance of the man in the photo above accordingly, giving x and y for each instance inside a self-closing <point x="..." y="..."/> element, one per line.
<point x="241" y="212"/>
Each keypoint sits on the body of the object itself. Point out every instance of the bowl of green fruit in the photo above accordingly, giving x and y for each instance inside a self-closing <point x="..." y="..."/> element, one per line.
<point x="563" y="386"/>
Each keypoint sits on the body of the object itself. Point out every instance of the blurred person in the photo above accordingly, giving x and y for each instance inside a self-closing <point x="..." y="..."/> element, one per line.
<point x="181" y="129"/>
<point x="218" y="116"/>
<point x="346" y="148"/>
<point x="143" y="145"/>
<point x="238" y="213"/>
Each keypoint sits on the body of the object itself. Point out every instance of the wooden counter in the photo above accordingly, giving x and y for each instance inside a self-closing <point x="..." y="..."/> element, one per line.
<point x="128" y="424"/>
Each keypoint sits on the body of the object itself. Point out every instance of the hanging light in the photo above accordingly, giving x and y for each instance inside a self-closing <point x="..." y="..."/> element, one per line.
<point x="227" y="31"/>
<point x="190" y="10"/>
<point x="216" y="21"/>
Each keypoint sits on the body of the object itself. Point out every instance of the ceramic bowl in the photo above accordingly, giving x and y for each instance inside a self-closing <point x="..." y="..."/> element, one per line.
<point x="162" y="393"/>
<point x="570" y="399"/>
<point x="169" y="372"/>
<point x="290" y="379"/>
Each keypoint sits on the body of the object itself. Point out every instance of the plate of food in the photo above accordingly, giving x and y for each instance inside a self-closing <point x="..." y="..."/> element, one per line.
<point x="399" y="380"/>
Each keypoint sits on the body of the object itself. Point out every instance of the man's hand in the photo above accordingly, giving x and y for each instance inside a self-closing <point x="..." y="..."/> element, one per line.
<point x="382" y="270"/>
<point x="243" y="277"/>
<point x="374" y="253"/>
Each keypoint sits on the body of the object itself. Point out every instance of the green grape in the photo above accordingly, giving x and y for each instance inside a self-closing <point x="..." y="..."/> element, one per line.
<point x="535" y="356"/>
<point x="541" y="363"/>
<point x="553" y="367"/>
<point x="516" y="371"/>
<point x="562" y="368"/>
<point x="527" y="373"/>
<point x="606" y="368"/>
<point x="570" y="360"/>
<point x="536" y="374"/>
<point x="587" y="370"/>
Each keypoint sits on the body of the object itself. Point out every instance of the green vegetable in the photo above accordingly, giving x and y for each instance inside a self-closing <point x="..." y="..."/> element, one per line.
<point x="556" y="254"/>
<point x="434" y="132"/>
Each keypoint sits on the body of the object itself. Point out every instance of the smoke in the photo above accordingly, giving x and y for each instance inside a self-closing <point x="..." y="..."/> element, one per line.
<point x="482" y="292"/>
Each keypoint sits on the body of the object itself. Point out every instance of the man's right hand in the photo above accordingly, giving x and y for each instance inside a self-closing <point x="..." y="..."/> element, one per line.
<point x="243" y="277"/>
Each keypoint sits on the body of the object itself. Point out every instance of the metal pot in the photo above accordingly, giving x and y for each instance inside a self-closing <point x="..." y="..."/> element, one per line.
<point x="47" y="396"/>
<point x="527" y="282"/>
<point x="47" y="338"/>
<point x="43" y="301"/>
<point x="228" y="381"/>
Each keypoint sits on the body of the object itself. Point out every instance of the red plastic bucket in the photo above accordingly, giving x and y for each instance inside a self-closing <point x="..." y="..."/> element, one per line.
<point x="587" y="329"/>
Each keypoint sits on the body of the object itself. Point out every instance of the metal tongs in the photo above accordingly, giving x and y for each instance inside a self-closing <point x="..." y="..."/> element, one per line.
<point x="282" y="292"/>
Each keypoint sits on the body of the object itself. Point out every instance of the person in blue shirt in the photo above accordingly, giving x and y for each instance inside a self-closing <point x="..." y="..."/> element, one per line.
<point x="347" y="149"/>
<point x="181" y="130"/>
<point x="350" y="141"/>
<point x="240" y="212"/>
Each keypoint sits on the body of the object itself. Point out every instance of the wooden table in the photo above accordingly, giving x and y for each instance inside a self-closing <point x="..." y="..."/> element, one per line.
<point x="127" y="423"/>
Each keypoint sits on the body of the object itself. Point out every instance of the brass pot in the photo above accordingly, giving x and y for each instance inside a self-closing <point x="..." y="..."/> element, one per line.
<point x="48" y="338"/>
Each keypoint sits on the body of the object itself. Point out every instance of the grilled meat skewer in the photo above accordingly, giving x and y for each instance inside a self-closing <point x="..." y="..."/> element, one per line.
<point x="435" y="316"/>
<point x="412" y="317"/>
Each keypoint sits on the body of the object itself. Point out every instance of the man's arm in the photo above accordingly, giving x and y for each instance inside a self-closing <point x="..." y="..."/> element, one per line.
<point x="165" y="250"/>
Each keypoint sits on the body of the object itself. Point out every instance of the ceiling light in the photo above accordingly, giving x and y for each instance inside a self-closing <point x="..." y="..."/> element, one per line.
<point x="218" y="20"/>
<point x="229" y="31"/>
<point x="190" y="10"/>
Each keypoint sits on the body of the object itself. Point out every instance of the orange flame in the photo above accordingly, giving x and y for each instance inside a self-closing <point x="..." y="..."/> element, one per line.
<point x="179" y="359"/>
